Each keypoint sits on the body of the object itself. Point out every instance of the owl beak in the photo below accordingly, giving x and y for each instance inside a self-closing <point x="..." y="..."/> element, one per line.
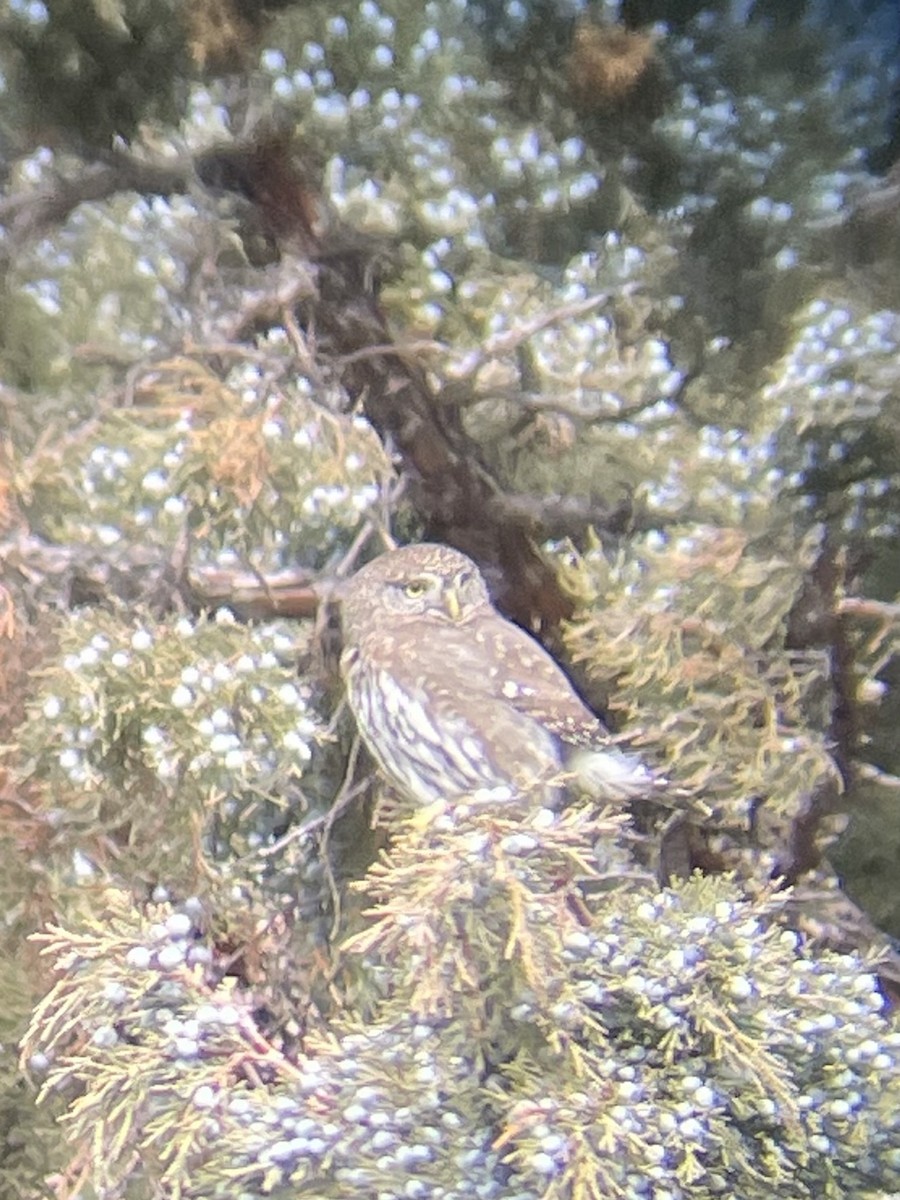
<point x="451" y="603"/>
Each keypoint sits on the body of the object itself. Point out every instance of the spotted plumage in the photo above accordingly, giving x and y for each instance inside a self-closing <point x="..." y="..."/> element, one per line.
<point x="455" y="701"/>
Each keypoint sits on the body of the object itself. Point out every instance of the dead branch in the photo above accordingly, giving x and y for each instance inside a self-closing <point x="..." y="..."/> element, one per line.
<point x="876" y="610"/>
<point x="28" y="214"/>
<point x="60" y="576"/>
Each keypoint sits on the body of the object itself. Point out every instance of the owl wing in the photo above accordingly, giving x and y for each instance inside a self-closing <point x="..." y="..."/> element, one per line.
<point x="488" y="662"/>
<point x="533" y="683"/>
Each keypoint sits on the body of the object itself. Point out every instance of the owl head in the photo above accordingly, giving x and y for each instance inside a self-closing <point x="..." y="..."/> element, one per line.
<point x="416" y="580"/>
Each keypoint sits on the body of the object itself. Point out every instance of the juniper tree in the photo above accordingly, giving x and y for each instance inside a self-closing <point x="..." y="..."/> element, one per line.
<point x="596" y="301"/>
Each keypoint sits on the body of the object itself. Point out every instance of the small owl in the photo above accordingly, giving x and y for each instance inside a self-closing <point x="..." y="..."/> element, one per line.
<point x="454" y="701"/>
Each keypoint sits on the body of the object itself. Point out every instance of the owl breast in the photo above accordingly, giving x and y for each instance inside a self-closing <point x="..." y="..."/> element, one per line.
<point x="429" y="746"/>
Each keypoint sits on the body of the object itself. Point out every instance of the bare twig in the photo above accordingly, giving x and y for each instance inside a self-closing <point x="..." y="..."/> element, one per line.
<point x="348" y="561"/>
<point x="590" y="410"/>
<point x="869" y="773"/>
<point x="876" y="610"/>
<point x="26" y="215"/>
<point x="559" y="516"/>
<point x="395" y="349"/>
<point x="347" y="793"/>
<point x="265" y="308"/>
<point x="509" y="339"/>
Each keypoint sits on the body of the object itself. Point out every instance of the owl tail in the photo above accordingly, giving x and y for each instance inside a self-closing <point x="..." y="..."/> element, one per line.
<point x="612" y="774"/>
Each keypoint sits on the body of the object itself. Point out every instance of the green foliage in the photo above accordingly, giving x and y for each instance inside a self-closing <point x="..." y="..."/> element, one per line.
<point x="686" y="635"/>
<point x="400" y="99"/>
<point x="30" y="1140"/>
<point x="181" y="744"/>
<point x="259" y="475"/>
<point x="639" y="314"/>
<point x="95" y="69"/>
<point x="562" y="382"/>
<point x="840" y="383"/>
<point x="867" y="857"/>
<point x="670" y="1044"/>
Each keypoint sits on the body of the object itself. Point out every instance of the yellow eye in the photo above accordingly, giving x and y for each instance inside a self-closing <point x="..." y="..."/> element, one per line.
<point x="415" y="588"/>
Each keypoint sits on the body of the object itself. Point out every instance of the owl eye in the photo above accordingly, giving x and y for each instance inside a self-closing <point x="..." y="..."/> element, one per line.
<point x="415" y="588"/>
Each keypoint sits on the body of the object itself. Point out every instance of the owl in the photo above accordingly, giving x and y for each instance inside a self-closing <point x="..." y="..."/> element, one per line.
<point x="455" y="702"/>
